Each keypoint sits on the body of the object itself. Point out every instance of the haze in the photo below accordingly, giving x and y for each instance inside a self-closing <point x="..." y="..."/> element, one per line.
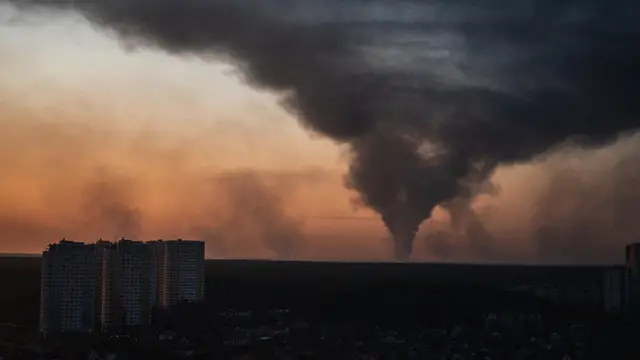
<point x="101" y="140"/>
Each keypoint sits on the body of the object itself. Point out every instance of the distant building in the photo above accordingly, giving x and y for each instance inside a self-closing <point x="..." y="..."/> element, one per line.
<point x="68" y="288"/>
<point x="100" y="249"/>
<point x="632" y="264"/>
<point x="113" y="286"/>
<point x="615" y="290"/>
<point x="127" y="288"/>
<point x="180" y="271"/>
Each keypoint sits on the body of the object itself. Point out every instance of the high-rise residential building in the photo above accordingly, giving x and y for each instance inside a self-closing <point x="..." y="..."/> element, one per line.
<point x="615" y="290"/>
<point x="100" y="249"/>
<point x="632" y="256"/>
<point x="68" y="288"/>
<point x="114" y="286"/>
<point x="180" y="271"/>
<point x="632" y="262"/>
<point x="127" y="285"/>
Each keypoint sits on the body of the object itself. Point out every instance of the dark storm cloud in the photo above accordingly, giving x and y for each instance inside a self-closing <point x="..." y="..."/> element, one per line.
<point x="426" y="93"/>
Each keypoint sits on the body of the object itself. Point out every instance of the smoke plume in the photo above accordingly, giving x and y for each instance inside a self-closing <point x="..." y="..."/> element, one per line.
<point x="588" y="211"/>
<point x="108" y="207"/>
<point x="571" y="206"/>
<point x="427" y="95"/>
<point x="255" y="207"/>
<point x="66" y="175"/>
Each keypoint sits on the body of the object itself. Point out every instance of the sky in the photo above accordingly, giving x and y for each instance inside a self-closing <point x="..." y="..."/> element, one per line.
<point x="101" y="139"/>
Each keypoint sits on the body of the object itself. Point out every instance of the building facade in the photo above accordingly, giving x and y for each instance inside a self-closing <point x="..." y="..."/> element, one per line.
<point x="68" y="288"/>
<point x="632" y="264"/>
<point x="114" y="286"/>
<point x="180" y="271"/>
<point x="100" y="250"/>
<point x="615" y="290"/>
<point x="127" y="291"/>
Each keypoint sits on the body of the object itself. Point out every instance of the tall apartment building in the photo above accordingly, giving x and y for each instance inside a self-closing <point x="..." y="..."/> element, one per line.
<point x="112" y="286"/>
<point x="128" y="289"/>
<point x="632" y="263"/>
<point x="180" y="271"/>
<point x="615" y="290"/>
<point x="68" y="288"/>
<point x="100" y="249"/>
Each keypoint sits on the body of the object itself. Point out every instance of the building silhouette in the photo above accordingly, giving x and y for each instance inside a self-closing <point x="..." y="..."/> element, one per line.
<point x="632" y="262"/>
<point x="621" y="286"/>
<point x="68" y="288"/>
<point x="616" y="290"/>
<point x="180" y="271"/>
<point x="128" y="291"/>
<point x="112" y="287"/>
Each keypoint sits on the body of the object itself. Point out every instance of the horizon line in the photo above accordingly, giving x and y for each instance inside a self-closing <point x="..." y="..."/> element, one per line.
<point x="355" y="261"/>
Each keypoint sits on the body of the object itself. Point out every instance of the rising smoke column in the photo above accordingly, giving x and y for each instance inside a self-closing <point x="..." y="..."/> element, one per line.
<point x="422" y="92"/>
<point x="109" y="207"/>
<point x="252" y="205"/>
<point x="256" y="206"/>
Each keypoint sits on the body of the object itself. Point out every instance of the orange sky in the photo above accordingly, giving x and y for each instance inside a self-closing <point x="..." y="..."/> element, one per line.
<point x="78" y="110"/>
<point x="97" y="141"/>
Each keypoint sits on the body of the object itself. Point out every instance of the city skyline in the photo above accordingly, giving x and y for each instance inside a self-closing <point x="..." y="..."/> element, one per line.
<point x="100" y="137"/>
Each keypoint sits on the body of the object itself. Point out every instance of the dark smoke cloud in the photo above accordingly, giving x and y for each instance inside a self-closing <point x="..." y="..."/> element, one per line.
<point x="588" y="215"/>
<point x="574" y="206"/>
<point x="466" y="228"/>
<point x="109" y="207"/>
<point x="463" y="237"/>
<point x="14" y="227"/>
<point x="254" y="207"/>
<point x="214" y="238"/>
<point x="108" y="211"/>
<point x="426" y="94"/>
<point x="467" y="223"/>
